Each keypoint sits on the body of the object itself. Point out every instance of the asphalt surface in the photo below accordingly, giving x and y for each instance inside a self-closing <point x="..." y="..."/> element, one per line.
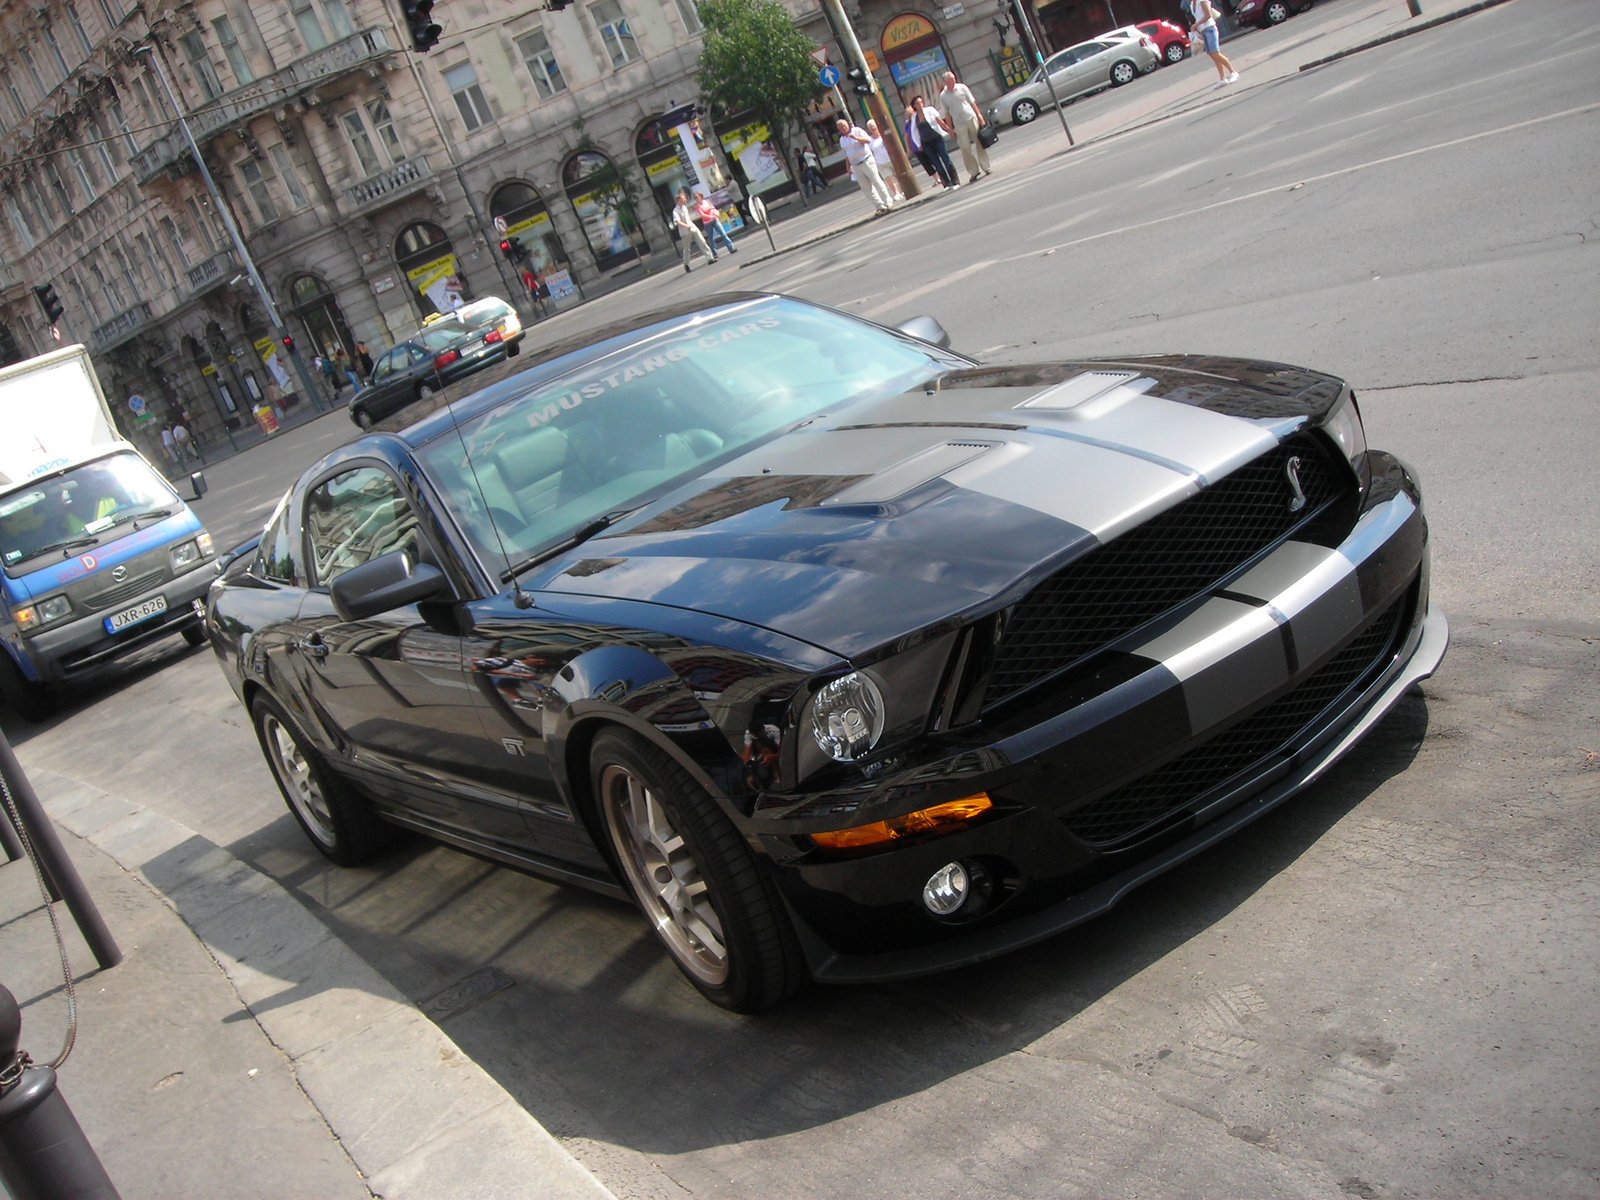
<point x="1384" y="988"/>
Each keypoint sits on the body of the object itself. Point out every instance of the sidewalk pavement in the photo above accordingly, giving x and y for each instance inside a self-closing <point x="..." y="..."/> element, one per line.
<point x="241" y="1049"/>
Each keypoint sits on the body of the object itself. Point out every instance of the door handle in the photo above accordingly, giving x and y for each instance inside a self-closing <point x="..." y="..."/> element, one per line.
<point x="314" y="646"/>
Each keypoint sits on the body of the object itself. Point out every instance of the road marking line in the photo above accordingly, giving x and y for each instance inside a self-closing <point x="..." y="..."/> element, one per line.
<point x="1339" y="87"/>
<point x="1175" y="171"/>
<point x="903" y="297"/>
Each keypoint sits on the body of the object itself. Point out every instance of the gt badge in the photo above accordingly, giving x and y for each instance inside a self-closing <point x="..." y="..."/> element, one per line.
<point x="513" y="747"/>
<point x="1291" y="469"/>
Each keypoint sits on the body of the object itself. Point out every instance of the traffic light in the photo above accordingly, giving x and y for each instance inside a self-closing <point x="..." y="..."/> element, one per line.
<point x="859" y="81"/>
<point x="556" y="5"/>
<point x="288" y="344"/>
<point x="49" y="301"/>
<point x="514" y="250"/>
<point x="419" y="20"/>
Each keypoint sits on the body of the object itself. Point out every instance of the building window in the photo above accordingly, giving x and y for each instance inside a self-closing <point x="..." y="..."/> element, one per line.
<point x="256" y="182"/>
<point x="287" y="173"/>
<point x="55" y="50"/>
<point x="109" y="287"/>
<point x="158" y="273"/>
<point x="175" y="239"/>
<point x="84" y="172"/>
<point x="33" y="72"/>
<point x="233" y="51"/>
<point x="125" y="269"/>
<point x="83" y="34"/>
<point x="19" y="222"/>
<point x="378" y="114"/>
<point x="41" y="202"/>
<point x="16" y="99"/>
<point x="205" y="75"/>
<point x="338" y="19"/>
<point x="150" y="117"/>
<point x="102" y="149"/>
<point x="361" y="142"/>
<point x="690" y="15"/>
<point x="84" y="303"/>
<point x="112" y="11"/>
<point x="614" y="32"/>
<point x="463" y="84"/>
<point x="199" y="220"/>
<point x="542" y="64"/>
<point x="305" y="20"/>
<point x="58" y="186"/>
<point x="120" y="120"/>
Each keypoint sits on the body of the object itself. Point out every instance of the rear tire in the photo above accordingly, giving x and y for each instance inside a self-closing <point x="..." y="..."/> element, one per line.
<point x="194" y="634"/>
<point x="1176" y="52"/>
<point x="1123" y="71"/>
<point x="693" y="877"/>
<point x="31" y="701"/>
<point x="340" y="823"/>
<point x="1275" y="13"/>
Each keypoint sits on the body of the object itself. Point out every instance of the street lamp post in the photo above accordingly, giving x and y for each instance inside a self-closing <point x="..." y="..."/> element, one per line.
<point x="875" y="105"/>
<point x="234" y="235"/>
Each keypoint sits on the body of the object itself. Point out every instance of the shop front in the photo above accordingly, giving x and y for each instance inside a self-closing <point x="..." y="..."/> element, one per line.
<point x="916" y="56"/>
<point x="599" y="197"/>
<point x="424" y="254"/>
<point x="527" y="222"/>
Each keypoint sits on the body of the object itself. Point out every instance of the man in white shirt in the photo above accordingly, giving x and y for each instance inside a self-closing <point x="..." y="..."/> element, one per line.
<point x="689" y="234"/>
<point x="960" y="111"/>
<point x="857" y="146"/>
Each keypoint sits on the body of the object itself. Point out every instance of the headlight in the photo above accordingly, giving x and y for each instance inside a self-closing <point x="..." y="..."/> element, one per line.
<point x="1343" y="425"/>
<point x="847" y="717"/>
<point x="203" y="540"/>
<point x="30" y="616"/>
<point x="185" y="554"/>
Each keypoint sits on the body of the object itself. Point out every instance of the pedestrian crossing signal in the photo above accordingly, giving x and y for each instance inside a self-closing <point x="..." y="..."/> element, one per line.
<point x="859" y="81"/>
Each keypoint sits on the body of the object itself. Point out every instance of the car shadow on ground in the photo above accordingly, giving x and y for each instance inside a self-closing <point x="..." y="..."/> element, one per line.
<point x="599" y="1026"/>
<point x="101" y="685"/>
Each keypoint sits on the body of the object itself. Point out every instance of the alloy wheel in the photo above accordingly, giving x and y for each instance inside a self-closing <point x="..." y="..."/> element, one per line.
<point x="664" y="875"/>
<point x="289" y="761"/>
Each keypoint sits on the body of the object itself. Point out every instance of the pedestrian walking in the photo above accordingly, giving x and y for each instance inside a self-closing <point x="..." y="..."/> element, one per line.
<point x="856" y="143"/>
<point x="960" y="111"/>
<point x="324" y="364"/>
<point x="925" y="130"/>
<point x="880" y="159"/>
<point x="169" y="446"/>
<point x="689" y="234"/>
<point x="364" y="360"/>
<point x="1203" y="22"/>
<point x="537" y="289"/>
<point x="811" y="171"/>
<point x="711" y="221"/>
<point x="186" y="448"/>
<point x="346" y="368"/>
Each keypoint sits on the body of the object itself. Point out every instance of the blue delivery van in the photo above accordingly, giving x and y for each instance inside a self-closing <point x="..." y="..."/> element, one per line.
<point x="99" y="556"/>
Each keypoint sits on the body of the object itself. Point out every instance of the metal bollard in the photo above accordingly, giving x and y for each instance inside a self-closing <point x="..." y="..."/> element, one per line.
<point x="43" y="1152"/>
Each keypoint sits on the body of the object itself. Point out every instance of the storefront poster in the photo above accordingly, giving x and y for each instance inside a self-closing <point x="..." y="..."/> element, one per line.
<point x="268" y="348"/>
<point x="601" y="225"/>
<point x="756" y="156"/>
<point x="918" y="66"/>
<point x="437" y="281"/>
<point x="700" y="164"/>
<point x="560" y="284"/>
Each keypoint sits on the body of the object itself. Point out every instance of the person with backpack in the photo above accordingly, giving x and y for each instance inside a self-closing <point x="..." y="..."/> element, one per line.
<point x="1203" y="17"/>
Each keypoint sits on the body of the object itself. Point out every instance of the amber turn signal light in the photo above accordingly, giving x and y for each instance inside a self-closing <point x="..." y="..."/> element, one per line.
<point x="941" y="818"/>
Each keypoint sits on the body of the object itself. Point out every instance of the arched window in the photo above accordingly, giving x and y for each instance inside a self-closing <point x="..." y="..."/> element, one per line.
<point x="423" y="251"/>
<point x="311" y="300"/>
<point x="527" y="219"/>
<point x="915" y="55"/>
<point x="599" y="196"/>
<point x="658" y="149"/>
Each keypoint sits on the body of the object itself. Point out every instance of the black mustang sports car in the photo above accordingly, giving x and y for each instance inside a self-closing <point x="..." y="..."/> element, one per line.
<point x="846" y="657"/>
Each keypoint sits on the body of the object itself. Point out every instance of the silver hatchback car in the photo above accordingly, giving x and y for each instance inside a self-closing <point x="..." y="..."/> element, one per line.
<point x="1076" y="71"/>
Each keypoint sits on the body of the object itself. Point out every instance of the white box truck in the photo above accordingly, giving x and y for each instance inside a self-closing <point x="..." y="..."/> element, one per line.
<point x="98" y="555"/>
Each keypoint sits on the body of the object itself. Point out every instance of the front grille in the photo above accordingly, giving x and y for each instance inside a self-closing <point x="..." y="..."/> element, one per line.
<point x="1129" y="810"/>
<point x="1179" y="554"/>
<point x="126" y="590"/>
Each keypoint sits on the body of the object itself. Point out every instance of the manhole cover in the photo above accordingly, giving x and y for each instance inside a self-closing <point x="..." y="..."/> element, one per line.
<point x="458" y="997"/>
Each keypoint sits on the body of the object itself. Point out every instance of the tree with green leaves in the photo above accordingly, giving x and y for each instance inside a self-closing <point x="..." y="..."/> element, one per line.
<point x="755" y="59"/>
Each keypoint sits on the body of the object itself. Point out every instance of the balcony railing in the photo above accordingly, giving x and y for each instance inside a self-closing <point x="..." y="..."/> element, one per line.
<point x="388" y="186"/>
<point x="121" y="327"/>
<point x="242" y="103"/>
<point x="219" y="268"/>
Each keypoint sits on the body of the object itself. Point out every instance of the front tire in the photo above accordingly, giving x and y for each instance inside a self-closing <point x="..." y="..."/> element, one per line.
<point x="1176" y="52"/>
<point x="362" y="418"/>
<point x="1024" y="111"/>
<point x="1276" y="13"/>
<point x="339" y="823"/>
<point x="1123" y="72"/>
<point x="693" y="877"/>
<point x="194" y="634"/>
<point x="31" y="701"/>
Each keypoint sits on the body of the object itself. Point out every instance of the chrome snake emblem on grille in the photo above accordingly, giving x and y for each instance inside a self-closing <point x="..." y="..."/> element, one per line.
<point x="1291" y="470"/>
<point x="119" y="573"/>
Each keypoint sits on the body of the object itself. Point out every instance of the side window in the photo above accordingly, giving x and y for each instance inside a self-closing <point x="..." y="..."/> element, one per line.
<point x="385" y="367"/>
<point x="355" y="517"/>
<point x="418" y="355"/>
<point x="275" y="556"/>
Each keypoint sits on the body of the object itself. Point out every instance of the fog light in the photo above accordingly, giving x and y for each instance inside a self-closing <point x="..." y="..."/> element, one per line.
<point x="947" y="889"/>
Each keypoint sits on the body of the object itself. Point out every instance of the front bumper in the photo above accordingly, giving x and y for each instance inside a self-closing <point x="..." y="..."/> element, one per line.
<point x="61" y="653"/>
<point x="1330" y="636"/>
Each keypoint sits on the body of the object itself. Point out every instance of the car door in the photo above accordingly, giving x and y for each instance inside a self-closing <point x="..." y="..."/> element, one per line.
<point x="385" y="396"/>
<point x="1093" y="68"/>
<point x="391" y="687"/>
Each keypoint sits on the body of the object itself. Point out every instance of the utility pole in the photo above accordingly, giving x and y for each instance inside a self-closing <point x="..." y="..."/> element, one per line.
<point x="887" y="125"/>
<point x="234" y="235"/>
<point x="1033" y="44"/>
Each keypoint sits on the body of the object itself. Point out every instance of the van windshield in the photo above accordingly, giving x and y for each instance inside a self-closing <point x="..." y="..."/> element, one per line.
<point x="79" y="506"/>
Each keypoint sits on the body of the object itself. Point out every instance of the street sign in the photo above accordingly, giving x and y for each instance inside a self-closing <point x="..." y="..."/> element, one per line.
<point x="820" y="56"/>
<point x="136" y="403"/>
<point x="758" y="210"/>
<point x="500" y="225"/>
<point x="829" y="76"/>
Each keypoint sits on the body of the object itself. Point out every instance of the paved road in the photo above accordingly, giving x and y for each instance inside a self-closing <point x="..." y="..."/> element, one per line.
<point x="1386" y="987"/>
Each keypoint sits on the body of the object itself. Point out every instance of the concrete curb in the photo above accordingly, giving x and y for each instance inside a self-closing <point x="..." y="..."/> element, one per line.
<point x="417" y="1116"/>
<point x="1402" y="33"/>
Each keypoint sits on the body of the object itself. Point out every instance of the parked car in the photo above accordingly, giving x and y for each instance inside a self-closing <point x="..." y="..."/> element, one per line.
<point x="424" y="364"/>
<point x="841" y="655"/>
<point x="1134" y="33"/>
<point x="1076" y="71"/>
<point x="488" y="313"/>
<point x="1268" y="12"/>
<point x="1172" y="40"/>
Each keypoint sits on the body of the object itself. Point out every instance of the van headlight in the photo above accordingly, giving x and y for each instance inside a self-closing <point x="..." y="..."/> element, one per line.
<point x="31" y="616"/>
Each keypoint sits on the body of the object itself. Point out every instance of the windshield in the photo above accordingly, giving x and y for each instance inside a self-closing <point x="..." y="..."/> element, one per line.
<point x="439" y="339"/>
<point x="477" y="316"/>
<point x="78" y="507"/>
<point x="605" y="437"/>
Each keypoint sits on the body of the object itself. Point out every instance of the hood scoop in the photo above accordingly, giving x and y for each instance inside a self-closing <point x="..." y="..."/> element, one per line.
<point x="1101" y="389"/>
<point x="910" y="473"/>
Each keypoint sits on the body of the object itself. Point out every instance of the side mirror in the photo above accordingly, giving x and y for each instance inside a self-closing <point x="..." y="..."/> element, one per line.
<point x="198" y="482"/>
<point x="926" y="329"/>
<point x="388" y="582"/>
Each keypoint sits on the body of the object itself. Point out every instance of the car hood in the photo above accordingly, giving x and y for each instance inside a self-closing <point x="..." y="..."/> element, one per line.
<point x="890" y="516"/>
